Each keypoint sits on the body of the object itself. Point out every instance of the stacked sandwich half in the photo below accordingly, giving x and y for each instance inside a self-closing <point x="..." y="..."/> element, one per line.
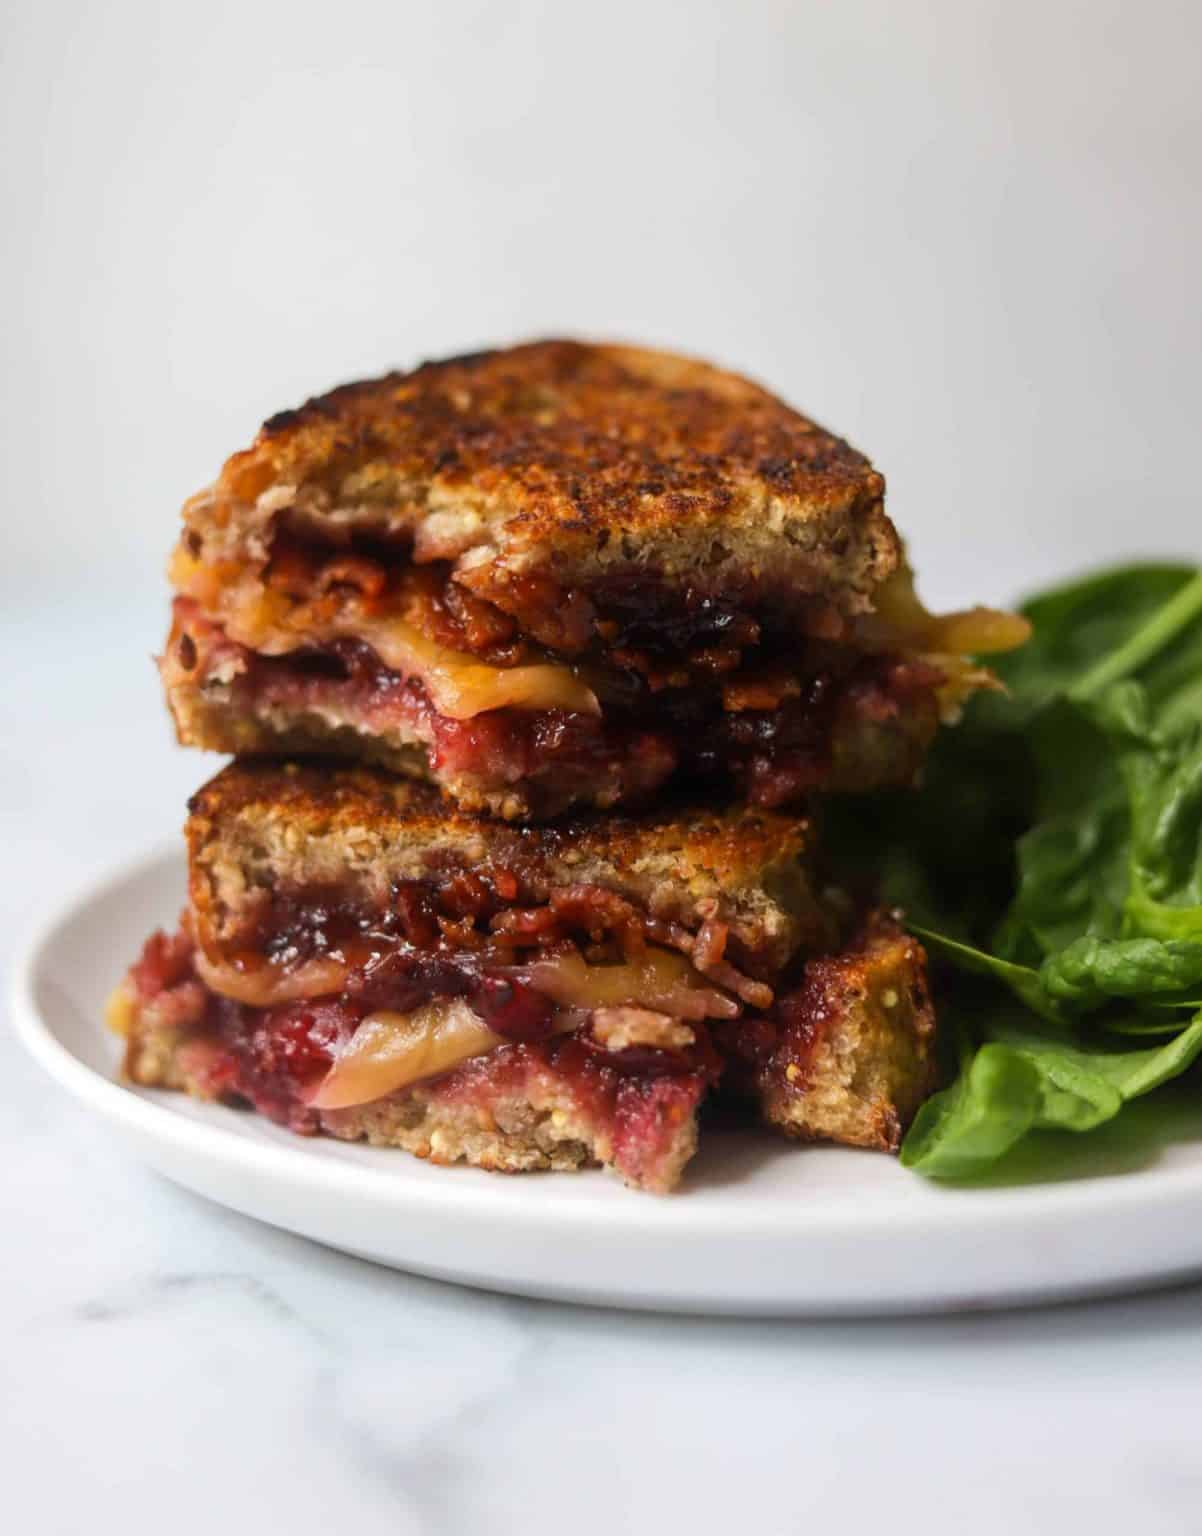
<point x="537" y="665"/>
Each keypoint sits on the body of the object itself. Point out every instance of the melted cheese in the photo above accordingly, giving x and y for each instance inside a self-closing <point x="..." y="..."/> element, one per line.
<point x="961" y="679"/>
<point x="905" y="621"/>
<point x="121" y="1010"/>
<point x="659" y="979"/>
<point x="459" y="684"/>
<point x="267" y="986"/>
<point x="389" y="1051"/>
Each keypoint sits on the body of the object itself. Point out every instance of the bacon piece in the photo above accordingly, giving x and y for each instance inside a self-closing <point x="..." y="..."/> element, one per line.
<point x="755" y="993"/>
<point x="710" y="944"/>
<point x="367" y="577"/>
<point x="618" y="1029"/>
<point x="767" y="691"/>
<point x="560" y="619"/>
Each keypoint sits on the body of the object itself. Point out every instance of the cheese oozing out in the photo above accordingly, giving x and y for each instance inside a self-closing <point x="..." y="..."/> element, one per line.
<point x="269" y="986"/>
<point x="902" y="621"/>
<point x="460" y="685"/>
<point x="657" y="978"/>
<point x="389" y="1051"/>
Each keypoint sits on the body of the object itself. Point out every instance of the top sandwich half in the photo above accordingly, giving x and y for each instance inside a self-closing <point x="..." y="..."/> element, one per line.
<point x="557" y="575"/>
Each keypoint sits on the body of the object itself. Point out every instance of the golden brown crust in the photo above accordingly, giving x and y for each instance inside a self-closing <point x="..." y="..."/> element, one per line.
<point x="580" y="457"/>
<point x="730" y="848"/>
<point x="575" y="431"/>
<point x="262" y="822"/>
<point x="535" y="1125"/>
<point x="204" y="719"/>
<point x="542" y="1129"/>
<point x="858" y="1057"/>
<point x="852" y="1065"/>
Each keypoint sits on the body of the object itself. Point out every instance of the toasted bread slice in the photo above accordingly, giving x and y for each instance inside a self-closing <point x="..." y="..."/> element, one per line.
<point x="854" y="1054"/>
<point x="559" y="575"/>
<point x="358" y="961"/>
<point x="263" y="829"/>
<point x="579" y="460"/>
<point x="848" y="1059"/>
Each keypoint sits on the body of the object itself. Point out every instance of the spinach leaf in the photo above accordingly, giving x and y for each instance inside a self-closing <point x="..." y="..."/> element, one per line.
<point x="1071" y="877"/>
<point x="992" y="1103"/>
<point x="1079" y="797"/>
<point x="1020" y="1081"/>
<point x="1131" y="1073"/>
<point x="1026" y="984"/>
<point x="1137" y="1072"/>
<point x="1091" y="971"/>
<point x="1140" y="1025"/>
<point x="1090" y="633"/>
<point x="1164" y="789"/>
<point x="1146" y="643"/>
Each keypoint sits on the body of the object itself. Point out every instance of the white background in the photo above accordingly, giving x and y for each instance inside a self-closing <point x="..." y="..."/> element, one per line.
<point x="966" y="235"/>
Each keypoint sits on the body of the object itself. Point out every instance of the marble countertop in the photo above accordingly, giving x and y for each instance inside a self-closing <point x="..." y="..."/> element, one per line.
<point x="167" y="1364"/>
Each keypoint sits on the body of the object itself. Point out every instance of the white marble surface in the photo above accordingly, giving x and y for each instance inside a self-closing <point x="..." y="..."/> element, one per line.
<point x="966" y="233"/>
<point x="167" y="1363"/>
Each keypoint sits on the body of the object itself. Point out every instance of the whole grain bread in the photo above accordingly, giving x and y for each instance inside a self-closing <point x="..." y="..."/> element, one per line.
<point x="532" y="1119"/>
<point x="263" y="823"/>
<point x="856" y="1055"/>
<point x="581" y="460"/>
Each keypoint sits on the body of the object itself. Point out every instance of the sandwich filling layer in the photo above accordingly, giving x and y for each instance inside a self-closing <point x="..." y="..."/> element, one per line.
<point x="406" y="666"/>
<point x="358" y="959"/>
<point x="442" y="972"/>
<point x="328" y="1015"/>
<point x="563" y="574"/>
<point x="499" y="1071"/>
<point x="560" y="1102"/>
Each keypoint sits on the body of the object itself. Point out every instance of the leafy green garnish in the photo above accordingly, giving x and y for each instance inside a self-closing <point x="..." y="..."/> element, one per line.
<point x="1145" y="642"/>
<point x="1053" y="860"/>
<point x="1091" y="971"/>
<point x="1024" y="1082"/>
<point x="1026" y="984"/>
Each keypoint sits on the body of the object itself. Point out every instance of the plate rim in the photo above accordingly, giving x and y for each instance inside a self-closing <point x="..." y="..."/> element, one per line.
<point x="1030" y="1207"/>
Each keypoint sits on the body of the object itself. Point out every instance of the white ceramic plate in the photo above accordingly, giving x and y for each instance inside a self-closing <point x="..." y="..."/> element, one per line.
<point x="760" y="1226"/>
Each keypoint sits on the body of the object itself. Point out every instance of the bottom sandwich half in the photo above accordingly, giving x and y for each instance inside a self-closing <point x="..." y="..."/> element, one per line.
<point x="357" y="959"/>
